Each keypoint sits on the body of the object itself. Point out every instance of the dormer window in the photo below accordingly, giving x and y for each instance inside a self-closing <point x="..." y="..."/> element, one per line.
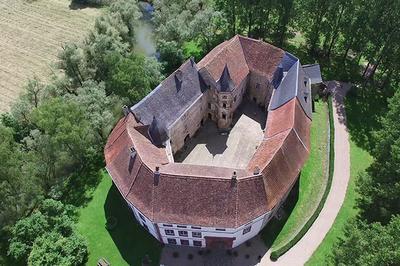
<point x="132" y="152"/>
<point x="305" y="96"/>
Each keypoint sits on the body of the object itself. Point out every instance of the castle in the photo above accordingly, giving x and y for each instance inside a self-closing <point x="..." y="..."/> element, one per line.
<point x="201" y="204"/>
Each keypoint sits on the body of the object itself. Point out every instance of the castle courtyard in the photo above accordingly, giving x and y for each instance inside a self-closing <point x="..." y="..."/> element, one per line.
<point x="235" y="148"/>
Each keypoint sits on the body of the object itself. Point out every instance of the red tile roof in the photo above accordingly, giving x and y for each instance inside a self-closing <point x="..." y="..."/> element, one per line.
<point x="206" y="195"/>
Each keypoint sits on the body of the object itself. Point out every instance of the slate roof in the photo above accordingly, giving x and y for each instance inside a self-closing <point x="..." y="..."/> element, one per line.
<point x="172" y="97"/>
<point x="313" y="71"/>
<point x="225" y="82"/>
<point x="293" y="84"/>
<point x="207" y="195"/>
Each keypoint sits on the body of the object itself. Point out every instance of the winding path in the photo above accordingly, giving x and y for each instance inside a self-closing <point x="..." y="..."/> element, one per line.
<point x="303" y="250"/>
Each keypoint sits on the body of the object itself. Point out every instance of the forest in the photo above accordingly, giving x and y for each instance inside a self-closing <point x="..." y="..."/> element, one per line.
<point x="51" y="142"/>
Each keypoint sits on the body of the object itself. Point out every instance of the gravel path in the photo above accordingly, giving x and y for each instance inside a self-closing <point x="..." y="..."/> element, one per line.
<point x="303" y="250"/>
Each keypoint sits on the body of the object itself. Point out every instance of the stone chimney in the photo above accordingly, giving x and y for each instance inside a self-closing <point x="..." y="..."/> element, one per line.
<point x="157" y="176"/>
<point x="234" y="179"/>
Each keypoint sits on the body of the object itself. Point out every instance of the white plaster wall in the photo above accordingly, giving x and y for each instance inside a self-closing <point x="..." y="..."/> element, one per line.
<point x="152" y="228"/>
<point x="237" y="233"/>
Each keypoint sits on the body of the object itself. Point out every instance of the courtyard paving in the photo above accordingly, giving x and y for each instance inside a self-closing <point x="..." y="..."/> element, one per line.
<point x="232" y="149"/>
<point x="247" y="254"/>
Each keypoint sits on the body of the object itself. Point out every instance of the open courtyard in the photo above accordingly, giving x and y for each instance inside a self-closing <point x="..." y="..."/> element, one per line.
<point x="235" y="148"/>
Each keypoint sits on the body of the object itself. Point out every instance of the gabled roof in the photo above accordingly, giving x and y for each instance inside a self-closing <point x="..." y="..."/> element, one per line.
<point x="230" y="54"/>
<point x="313" y="71"/>
<point x="172" y="97"/>
<point x="261" y="57"/>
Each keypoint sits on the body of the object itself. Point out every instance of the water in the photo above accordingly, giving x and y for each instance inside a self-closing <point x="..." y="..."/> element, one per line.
<point x="145" y="42"/>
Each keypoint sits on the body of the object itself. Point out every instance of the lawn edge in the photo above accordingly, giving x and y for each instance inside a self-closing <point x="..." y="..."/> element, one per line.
<point x="275" y="254"/>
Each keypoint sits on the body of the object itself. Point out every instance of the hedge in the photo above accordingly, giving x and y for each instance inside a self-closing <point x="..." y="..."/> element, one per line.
<point x="282" y="250"/>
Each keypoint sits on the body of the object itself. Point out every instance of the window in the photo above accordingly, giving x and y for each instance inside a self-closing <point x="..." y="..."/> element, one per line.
<point x="197" y="243"/>
<point x="219" y="229"/>
<point x="181" y="226"/>
<point x="258" y="86"/>
<point x="169" y="232"/>
<point x="234" y="99"/>
<point x="171" y="241"/>
<point x="167" y="225"/>
<point x="184" y="242"/>
<point x="133" y="152"/>
<point x="224" y="105"/>
<point x="196" y="234"/>
<point x="223" y="116"/>
<point x="246" y="230"/>
<point x="141" y="216"/>
<point x="196" y="227"/>
<point x="209" y="105"/>
<point x="183" y="233"/>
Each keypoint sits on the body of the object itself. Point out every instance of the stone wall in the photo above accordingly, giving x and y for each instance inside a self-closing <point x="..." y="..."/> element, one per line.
<point x="259" y="89"/>
<point x="188" y="123"/>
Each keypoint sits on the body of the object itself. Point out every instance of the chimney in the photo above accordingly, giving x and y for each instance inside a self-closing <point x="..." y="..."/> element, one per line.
<point x="234" y="179"/>
<point x="256" y="170"/>
<point x="157" y="176"/>
<point x="126" y="111"/>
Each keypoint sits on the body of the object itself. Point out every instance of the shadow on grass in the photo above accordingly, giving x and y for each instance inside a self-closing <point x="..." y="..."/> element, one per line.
<point x="274" y="227"/>
<point x="333" y="68"/>
<point x="84" y="186"/>
<point x="132" y="241"/>
<point x="364" y="107"/>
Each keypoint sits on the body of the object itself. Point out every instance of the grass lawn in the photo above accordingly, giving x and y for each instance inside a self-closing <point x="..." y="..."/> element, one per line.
<point x="360" y="160"/>
<point x="363" y="109"/>
<point x="127" y="243"/>
<point x="307" y="194"/>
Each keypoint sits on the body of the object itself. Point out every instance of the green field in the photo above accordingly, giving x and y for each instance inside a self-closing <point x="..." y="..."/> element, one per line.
<point x="128" y="242"/>
<point x="311" y="186"/>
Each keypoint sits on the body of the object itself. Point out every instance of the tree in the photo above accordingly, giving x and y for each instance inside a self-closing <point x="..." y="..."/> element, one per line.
<point x="97" y="108"/>
<point x="132" y="77"/>
<point x="55" y="249"/>
<point x="312" y="14"/>
<point x="24" y="234"/>
<point x="31" y="236"/>
<point x="369" y="244"/>
<point x="171" y="55"/>
<point x="19" y="189"/>
<point x="380" y="187"/>
<point x="62" y="144"/>
<point x="72" y="62"/>
<point x="177" y="22"/>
